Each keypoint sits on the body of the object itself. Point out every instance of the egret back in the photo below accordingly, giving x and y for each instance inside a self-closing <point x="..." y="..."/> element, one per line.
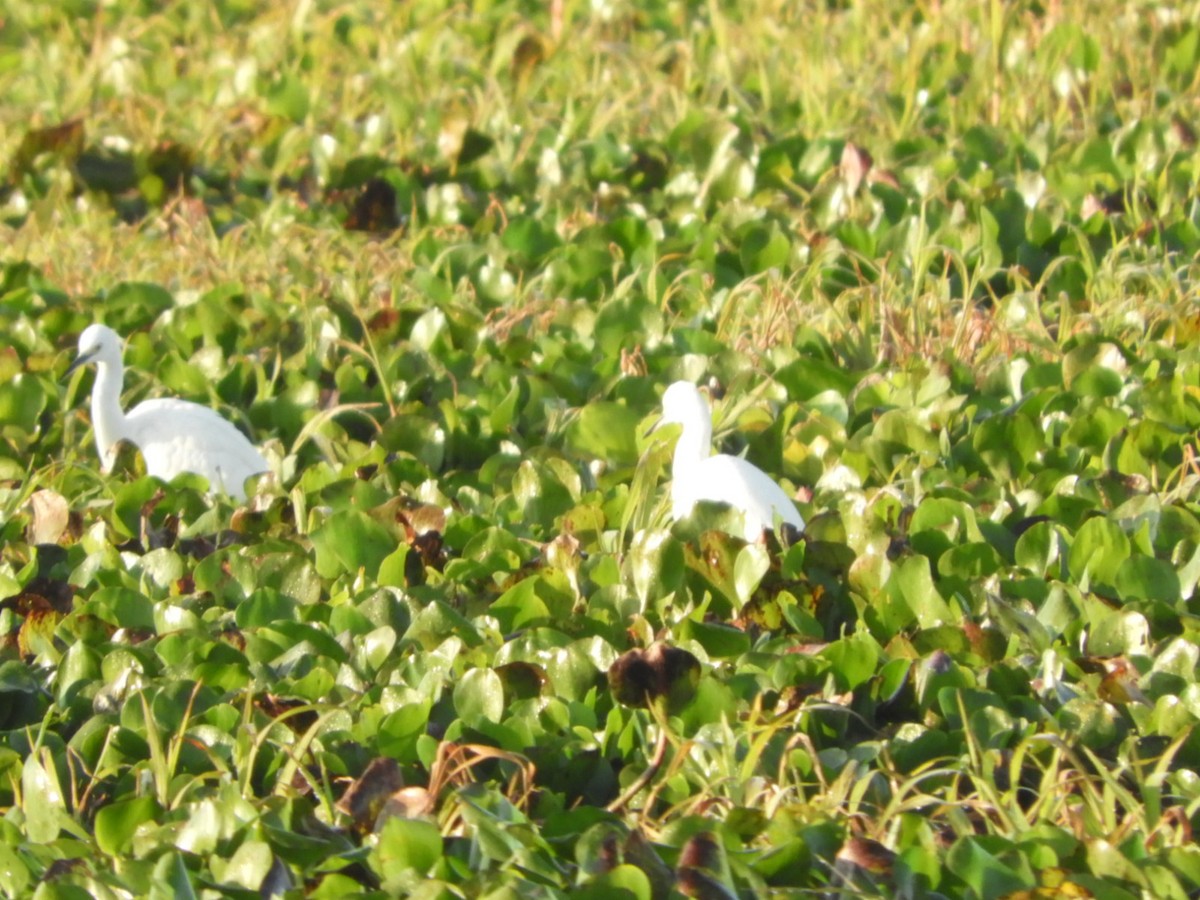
<point x="178" y="436"/>
<point x="741" y="484"/>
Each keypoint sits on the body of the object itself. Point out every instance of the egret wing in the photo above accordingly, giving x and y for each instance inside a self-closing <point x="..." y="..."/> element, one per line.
<point x="744" y="486"/>
<point x="178" y="436"/>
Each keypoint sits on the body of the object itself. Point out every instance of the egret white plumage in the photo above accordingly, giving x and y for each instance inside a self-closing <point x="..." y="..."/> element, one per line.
<point x="174" y="435"/>
<point x="698" y="475"/>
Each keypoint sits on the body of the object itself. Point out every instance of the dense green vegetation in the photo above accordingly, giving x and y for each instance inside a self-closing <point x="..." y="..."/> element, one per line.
<point x="937" y="265"/>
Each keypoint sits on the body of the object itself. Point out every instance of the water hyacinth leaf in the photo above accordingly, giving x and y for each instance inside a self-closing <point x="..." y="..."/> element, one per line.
<point x="400" y="731"/>
<point x="1098" y="550"/>
<point x="853" y="659"/>
<point x="521" y="606"/>
<point x="287" y="97"/>
<point x="248" y="867"/>
<point x="171" y="880"/>
<point x="404" y="846"/>
<point x="350" y="540"/>
<point x="116" y="823"/>
<point x="626" y="882"/>
<point x="605" y="431"/>
<point x="1147" y="578"/>
<point x="21" y="403"/>
<point x="1094" y="723"/>
<point x="913" y="583"/>
<point x="983" y="872"/>
<point x="202" y="830"/>
<point x="479" y="696"/>
<point x="1038" y="548"/>
<point x="1119" y="633"/>
<point x="749" y="568"/>
<point x="969" y="561"/>
<point x="719" y="641"/>
<point x="15" y="876"/>
<point x="43" y="798"/>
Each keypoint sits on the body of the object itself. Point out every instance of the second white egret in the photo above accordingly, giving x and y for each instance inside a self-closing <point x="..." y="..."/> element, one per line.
<point x="698" y="475"/>
<point x="174" y="435"/>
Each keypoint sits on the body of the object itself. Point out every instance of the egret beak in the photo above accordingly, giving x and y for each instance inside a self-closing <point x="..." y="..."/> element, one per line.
<point x="655" y="425"/>
<point x="81" y="360"/>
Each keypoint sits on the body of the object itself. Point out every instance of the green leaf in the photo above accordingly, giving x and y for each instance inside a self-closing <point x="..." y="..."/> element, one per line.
<point x="15" y="876"/>
<point x="606" y="431"/>
<point x="1038" y="548"/>
<point x="479" y="696"/>
<point x="763" y="247"/>
<point x="171" y="880"/>
<point x="406" y="845"/>
<point x="520" y="606"/>
<point x="122" y="608"/>
<point x="248" y="867"/>
<point x="42" y="798"/>
<point x="970" y="561"/>
<point x="986" y="875"/>
<point x="399" y="731"/>
<point x="751" y="565"/>
<point x="1147" y="578"/>
<point x="912" y="582"/>
<point x="719" y="641"/>
<point x="853" y="660"/>
<point x="1099" y="549"/>
<point x="21" y="403"/>
<point x="116" y="823"/>
<point x="348" y="541"/>
<point x="625" y="882"/>
<point x="287" y="97"/>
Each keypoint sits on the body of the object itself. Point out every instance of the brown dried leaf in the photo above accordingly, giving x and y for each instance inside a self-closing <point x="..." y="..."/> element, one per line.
<point x="639" y="677"/>
<point x="700" y="864"/>
<point x="37" y="631"/>
<point x="65" y="141"/>
<point x="374" y="208"/>
<point x="370" y="792"/>
<point x="49" y="517"/>
<point x="867" y="854"/>
<point x="407" y="803"/>
<point x="854" y="166"/>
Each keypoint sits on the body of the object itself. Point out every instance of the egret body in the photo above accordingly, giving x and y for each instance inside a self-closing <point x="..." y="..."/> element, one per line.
<point x="174" y="435"/>
<point x="698" y="475"/>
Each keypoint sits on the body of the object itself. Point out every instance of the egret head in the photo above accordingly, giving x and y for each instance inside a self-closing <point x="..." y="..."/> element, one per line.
<point x="683" y="404"/>
<point x="98" y="344"/>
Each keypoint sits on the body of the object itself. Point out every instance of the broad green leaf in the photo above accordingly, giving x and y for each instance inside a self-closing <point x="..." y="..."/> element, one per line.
<point x="749" y="568"/>
<point x="479" y="695"/>
<point x="406" y="845"/>
<point x="21" y="403"/>
<point x="247" y="867"/>
<point x="625" y="882"/>
<point x="116" y="823"/>
<point x="1038" y="547"/>
<point x="1147" y="578"/>
<point x="1097" y="552"/>
<point x="15" y="876"/>
<point x="987" y="876"/>
<point x="853" y="659"/>
<point x="42" y="798"/>
<point x="350" y="540"/>
<point x="607" y="431"/>
<point x="171" y="880"/>
<point x="912" y="582"/>
<point x="400" y="730"/>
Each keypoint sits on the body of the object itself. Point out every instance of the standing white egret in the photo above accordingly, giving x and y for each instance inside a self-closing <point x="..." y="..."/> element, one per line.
<point x="698" y="475"/>
<point x="174" y="435"/>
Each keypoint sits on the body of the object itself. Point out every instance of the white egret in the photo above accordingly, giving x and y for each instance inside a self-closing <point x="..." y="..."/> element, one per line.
<point x="174" y="435"/>
<point x="697" y="475"/>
